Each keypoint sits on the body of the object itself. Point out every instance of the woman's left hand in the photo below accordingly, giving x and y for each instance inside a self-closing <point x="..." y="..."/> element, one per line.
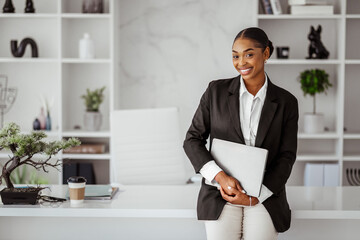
<point x="239" y="198"/>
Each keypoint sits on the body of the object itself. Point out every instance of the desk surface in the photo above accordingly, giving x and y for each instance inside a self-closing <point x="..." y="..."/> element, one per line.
<point x="179" y="201"/>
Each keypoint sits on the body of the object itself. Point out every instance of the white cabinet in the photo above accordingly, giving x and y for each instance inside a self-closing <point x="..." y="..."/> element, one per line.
<point x="340" y="143"/>
<point x="58" y="73"/>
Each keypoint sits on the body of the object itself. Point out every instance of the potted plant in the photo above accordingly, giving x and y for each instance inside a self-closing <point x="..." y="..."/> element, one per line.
<point x="23" y="148"/>
<point x="314" y="81"/>
<point x="92" y="117"/>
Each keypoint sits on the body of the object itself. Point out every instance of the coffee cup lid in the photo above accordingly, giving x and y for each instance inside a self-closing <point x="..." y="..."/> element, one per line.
<point x="76" y="179"/>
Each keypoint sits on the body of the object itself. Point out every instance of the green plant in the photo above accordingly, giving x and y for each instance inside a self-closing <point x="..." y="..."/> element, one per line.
<point x="314" y="81"/>
<point x="19" y="176"/>
<point x="24" y="146"/>
<point x="93" y="99"/>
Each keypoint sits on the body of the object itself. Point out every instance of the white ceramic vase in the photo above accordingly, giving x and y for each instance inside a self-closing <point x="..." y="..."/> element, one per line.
<point x="92" y="121"/>
<point x="313" y="123"/>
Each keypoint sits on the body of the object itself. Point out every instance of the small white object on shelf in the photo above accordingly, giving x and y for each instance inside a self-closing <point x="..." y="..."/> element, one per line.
<point x="86" y="47"/>
<point x="303" y="2"/>
<point x="313" y="123"/>
<point x="311" y="9"/>
<point x="321" y="174"/>
<point x="276" y="7"/>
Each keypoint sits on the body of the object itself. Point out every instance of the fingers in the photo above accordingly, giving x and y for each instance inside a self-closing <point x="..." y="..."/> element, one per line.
<point x="240" y="188"/>
<point x="225" y="196"/>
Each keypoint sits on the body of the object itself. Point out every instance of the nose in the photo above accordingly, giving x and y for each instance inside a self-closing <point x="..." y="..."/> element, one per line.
<point x="242" y="61"/>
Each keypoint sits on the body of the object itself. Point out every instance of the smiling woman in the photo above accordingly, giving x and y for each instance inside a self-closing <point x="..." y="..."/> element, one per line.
<point x="247" y="109"/>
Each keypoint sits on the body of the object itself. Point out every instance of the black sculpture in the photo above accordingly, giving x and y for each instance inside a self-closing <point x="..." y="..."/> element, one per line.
<point x="19" y="51"/>
<point x="316" y="47"/>
<point x="8" y="7"/>
<point x="29" y="6"/>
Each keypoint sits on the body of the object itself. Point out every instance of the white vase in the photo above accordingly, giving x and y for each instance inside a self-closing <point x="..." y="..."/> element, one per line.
<point x="92" y="121"/>
<point x="313" y="123"/>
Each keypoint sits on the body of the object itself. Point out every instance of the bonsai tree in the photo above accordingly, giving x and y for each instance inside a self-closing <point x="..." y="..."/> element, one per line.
<point x="314" y="81"/>
<point x="93" y="99"/>
<point x="24" y="146"/>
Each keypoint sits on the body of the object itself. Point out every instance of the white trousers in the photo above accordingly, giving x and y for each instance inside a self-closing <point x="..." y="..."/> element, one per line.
<point x="256" y="224"/>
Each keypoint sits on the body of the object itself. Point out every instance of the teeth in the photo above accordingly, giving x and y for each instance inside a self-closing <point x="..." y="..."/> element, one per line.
<point x="245" y="70"/>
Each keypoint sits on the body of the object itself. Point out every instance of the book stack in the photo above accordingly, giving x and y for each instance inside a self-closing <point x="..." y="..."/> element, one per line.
<point x="271" y="7"/>
<point x="96" y="148"/>
<point x="310" y="7"/>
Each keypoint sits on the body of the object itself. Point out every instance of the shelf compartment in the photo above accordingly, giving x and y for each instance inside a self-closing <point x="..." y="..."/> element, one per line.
<point x="287" y="78"/>
<point x="352" y="51"/>
<point x="45" y="34"/>
<point x="326" y="149"/>
<point x="297" y="175"/>
<point x="73" y="30"/>
<point x="41" y="81"/>
<point x="351" y="148"/>
<point x="347" y="166"/>
<point x="352" y="8"/>
<point x="351" y="99"/>
<point x="280" y="29"/>
<point x="101" y="168"/>
<point x="76" y="79"/>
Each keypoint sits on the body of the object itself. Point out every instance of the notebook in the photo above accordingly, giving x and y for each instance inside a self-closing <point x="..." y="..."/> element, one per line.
<point x="98" y="192"/>
<point x="243" y="162"/>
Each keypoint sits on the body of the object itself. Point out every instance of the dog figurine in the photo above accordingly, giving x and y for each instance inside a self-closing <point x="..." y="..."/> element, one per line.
<point x="316" y="47"/>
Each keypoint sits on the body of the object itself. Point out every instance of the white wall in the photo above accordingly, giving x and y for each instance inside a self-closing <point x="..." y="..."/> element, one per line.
<point x="170" y="50"/>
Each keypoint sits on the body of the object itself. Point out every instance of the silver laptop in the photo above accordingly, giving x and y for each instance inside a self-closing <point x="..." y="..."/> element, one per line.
<point x="243" y="162"/>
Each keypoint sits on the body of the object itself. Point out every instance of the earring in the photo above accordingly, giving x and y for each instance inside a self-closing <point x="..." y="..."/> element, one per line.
<point x="265" y="61"/>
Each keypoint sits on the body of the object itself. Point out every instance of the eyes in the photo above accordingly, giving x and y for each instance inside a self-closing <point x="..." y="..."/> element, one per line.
<point x="247" y="56"/>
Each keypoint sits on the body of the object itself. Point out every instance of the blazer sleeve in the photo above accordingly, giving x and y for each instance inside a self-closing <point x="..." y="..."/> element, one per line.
<point x="277" y="175"/>
<point x="198" y="133"/>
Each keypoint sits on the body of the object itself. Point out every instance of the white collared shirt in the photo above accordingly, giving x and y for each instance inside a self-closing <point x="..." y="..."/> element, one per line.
<point x="250" y="112"/>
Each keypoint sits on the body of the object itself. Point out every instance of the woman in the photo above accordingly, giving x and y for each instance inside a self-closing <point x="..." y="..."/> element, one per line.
<point x="247" y="109"/>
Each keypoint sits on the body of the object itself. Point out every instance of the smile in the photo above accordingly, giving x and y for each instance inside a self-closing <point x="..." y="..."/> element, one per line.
<point x="245" y="71"/>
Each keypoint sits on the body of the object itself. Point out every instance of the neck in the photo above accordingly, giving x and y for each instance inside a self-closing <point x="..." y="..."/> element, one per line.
<point x="255" y="84"/>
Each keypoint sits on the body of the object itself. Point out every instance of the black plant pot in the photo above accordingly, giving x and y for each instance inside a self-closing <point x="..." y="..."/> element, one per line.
<point x="19" y="195"/>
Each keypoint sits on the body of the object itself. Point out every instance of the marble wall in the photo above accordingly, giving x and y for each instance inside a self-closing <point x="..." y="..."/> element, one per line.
<point x="169" y="50"/>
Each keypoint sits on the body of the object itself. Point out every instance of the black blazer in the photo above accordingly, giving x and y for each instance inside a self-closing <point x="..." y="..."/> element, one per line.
<point x="218" y="116"/>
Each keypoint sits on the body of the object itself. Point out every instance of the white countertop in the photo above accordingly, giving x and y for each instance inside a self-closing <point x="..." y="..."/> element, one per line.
<point x="179" y="201"/>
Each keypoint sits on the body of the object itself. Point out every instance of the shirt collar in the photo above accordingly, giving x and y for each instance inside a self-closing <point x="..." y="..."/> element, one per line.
<point x="260" y="94"/>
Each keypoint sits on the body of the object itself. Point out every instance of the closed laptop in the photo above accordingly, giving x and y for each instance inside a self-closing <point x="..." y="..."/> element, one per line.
<point x="243" y="162"/>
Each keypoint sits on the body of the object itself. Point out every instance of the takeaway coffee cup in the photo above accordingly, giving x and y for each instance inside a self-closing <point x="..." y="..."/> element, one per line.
<point x="76" y="189"/>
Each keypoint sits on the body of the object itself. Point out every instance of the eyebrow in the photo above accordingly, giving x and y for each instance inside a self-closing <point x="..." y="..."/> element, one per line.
<point x="249" y="49"/>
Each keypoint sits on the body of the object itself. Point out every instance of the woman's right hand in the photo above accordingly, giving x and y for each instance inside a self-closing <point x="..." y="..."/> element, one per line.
<point x="228" y="183"/>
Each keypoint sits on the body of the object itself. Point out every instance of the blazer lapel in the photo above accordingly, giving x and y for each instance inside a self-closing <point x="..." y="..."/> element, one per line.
<point x="234" y="106"/>
<point x="267" y="114"/>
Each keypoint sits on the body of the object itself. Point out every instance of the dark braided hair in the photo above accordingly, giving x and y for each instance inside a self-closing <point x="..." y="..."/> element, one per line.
<point x="258" y="35"/>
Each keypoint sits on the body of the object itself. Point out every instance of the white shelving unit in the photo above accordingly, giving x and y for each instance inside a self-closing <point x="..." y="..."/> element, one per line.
<point x="340" y="33"/>
<point x="57" y="26"/>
